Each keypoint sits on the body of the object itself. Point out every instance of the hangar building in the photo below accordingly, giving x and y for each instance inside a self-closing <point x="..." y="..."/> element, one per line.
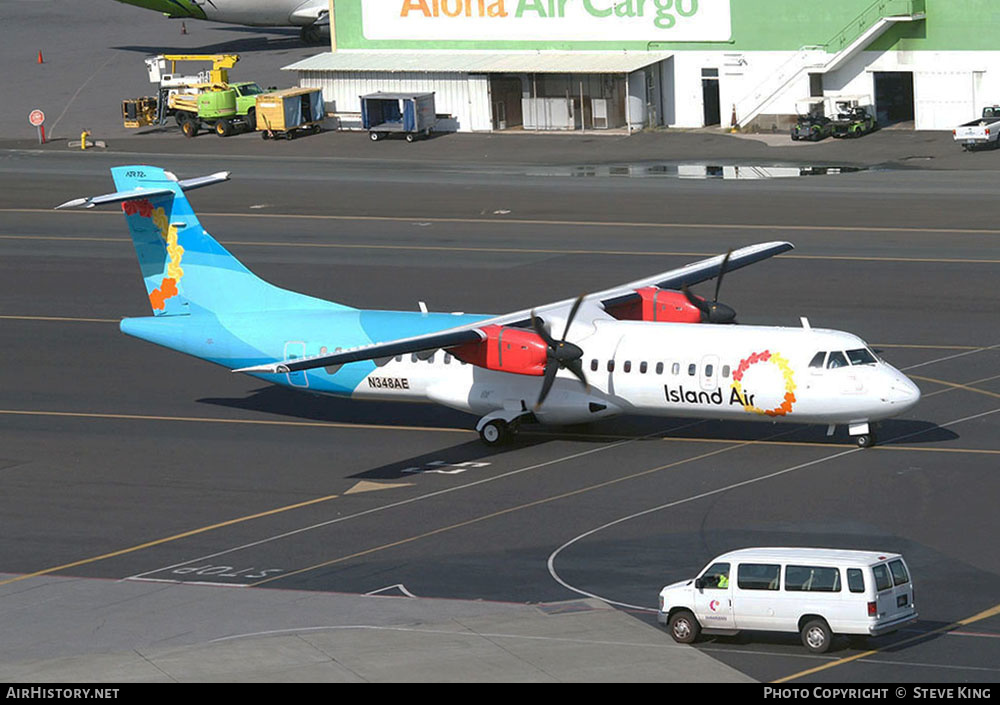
<point x="630" y="64"/>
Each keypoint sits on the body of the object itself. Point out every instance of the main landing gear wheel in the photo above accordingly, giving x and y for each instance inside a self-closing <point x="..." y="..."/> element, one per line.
<point x="495" y="433"/>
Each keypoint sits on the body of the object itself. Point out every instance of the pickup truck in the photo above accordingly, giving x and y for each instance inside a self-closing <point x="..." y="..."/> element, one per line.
<point x="981" y="131"/>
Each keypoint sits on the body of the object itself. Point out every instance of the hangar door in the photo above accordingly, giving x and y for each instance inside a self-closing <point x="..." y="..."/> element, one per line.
<point x="944" y="99"/>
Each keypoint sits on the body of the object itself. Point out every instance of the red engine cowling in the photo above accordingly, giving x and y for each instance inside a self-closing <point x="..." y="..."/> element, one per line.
<point x="521" y="352"/>
<point x="660" y="305"/>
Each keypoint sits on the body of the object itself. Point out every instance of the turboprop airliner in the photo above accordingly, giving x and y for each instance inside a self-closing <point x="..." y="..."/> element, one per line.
<point x="647" y="347"/>
<point x="311" y="15"/>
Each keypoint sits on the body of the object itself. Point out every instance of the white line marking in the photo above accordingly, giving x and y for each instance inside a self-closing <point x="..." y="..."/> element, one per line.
<point x="397" y="586"/>
<point x="552" y="557"/>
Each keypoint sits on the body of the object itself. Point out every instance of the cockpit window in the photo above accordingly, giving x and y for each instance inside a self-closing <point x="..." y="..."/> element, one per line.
<point x="817" y="360"/>
<point x="836" y="360"/>
<point x="861" y="357"/>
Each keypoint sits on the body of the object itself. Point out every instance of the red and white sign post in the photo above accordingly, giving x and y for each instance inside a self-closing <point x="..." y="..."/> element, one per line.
<point x="37" y="118"/>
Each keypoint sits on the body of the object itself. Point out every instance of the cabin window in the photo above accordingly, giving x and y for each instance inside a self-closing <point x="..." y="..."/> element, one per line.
<point x="709" y="370"/>
<point x="725" y="371"/>
<point x="593" y="365"/>
<point x="642" y="368"/>
<point x="836" y="360"/>
<point x="447" y="359"/>
<point x="414" y="358"/>
<point x="675" y="369"/>
<point x="692" y="370"/>
<point x="860" y="357"/>
<point x="611" y="365"/>
<point x="818" y="359"/>
<point x="627" y="366"/>
<point x="431" y="358"/>
<point x="399" y="358"/>
<point x="659" y="368"/>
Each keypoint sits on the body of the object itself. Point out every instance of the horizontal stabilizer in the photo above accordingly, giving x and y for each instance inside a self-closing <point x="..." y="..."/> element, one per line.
<point x="141" y="192"/>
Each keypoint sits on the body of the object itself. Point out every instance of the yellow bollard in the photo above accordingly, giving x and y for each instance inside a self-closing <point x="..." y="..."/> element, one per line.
<point x="83" y="139"/>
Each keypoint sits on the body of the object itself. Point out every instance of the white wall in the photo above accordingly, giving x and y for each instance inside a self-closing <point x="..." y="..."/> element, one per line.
<point x="949" y="87"/>
<point x="465" y="96"/>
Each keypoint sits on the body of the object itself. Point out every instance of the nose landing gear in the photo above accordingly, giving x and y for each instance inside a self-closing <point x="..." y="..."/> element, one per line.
<point x="863" y="434"/>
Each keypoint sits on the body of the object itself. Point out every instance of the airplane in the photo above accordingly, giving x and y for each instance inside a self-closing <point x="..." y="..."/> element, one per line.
<point x="311" y="15"/>
<point x="647" y="347"/>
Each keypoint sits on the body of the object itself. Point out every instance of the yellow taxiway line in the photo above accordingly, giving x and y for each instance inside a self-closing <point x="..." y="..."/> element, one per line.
<point x="985" y="614"/>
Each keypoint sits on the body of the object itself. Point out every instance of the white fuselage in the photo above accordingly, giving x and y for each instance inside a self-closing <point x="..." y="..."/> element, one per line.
<point x="673" y="369"/>
<point x="259" y="13"/>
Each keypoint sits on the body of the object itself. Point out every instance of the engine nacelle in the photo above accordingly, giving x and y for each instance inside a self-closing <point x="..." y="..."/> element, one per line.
<point x="506" y="349"/>
<point x="660" y="305"/>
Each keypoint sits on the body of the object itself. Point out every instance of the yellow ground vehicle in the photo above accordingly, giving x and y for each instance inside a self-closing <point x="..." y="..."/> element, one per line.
<point x="204" y="98"/>
<point x="288" y="112"/>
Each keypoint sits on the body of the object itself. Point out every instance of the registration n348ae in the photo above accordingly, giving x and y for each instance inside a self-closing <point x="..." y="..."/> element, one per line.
<point x="648" y="347"/>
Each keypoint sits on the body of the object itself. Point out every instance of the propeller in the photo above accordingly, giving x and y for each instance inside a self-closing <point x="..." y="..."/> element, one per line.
<point x="560" y="354"/>
<point x="713" y="311"/>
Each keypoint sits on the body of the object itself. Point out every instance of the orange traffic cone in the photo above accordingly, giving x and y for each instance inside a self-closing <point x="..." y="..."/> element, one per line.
<point x="40" y="60"/>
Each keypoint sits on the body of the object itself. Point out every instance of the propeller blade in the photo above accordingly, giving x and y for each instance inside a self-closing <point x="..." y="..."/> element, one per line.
<point x="542" y="331"/>
<point x="698" y="303"/>
<point x="550" y="376"/>
<point x="576" y="367"/>
<point x="722" y="271"/>
<point x="572" y="314"/>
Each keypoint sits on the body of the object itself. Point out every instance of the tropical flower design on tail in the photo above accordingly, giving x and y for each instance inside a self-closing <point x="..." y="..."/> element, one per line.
<point x="168" y="286"/>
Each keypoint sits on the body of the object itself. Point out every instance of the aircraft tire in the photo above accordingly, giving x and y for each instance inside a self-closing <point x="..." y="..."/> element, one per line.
<point x="865" y="440"/>
<point x="495" y="433"/>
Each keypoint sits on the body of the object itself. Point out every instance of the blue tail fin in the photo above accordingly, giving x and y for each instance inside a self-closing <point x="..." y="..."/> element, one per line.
<point x="185" y="269"/>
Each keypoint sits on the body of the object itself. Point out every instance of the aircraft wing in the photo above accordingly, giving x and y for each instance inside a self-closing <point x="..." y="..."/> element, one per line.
<point x="312" y="11"/>
<point x="592" y="307"/>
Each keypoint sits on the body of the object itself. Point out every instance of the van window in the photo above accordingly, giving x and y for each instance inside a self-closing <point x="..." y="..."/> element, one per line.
<point x="855" y="580"/>
<point x="899" y="576"/>
<point x="758" y="576"/>
<point x="716" y="577"/>
<point x="882" y="579"/>
<point x="804" y="578"/>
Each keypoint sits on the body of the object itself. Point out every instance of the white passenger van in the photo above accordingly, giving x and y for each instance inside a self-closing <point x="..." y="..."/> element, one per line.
<point x="817" y="592"/>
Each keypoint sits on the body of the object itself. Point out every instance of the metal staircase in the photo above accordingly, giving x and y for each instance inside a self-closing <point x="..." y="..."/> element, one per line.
<point x="853" y="38"/>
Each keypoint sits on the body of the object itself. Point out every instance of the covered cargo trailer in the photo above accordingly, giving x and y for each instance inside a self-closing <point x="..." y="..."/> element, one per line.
<point x="411" y="114"/>
<point x="286" y="112"/>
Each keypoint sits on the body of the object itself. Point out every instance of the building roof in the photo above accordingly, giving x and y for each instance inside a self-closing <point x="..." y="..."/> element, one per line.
<point x="481" y="62"/>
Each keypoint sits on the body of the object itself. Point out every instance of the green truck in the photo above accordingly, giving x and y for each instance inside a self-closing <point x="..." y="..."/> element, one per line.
<point x="227" y="109"/>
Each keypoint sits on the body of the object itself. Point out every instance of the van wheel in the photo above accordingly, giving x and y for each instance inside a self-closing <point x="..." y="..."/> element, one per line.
<point x="816" y="636"/>
<point x="684" y="628"/>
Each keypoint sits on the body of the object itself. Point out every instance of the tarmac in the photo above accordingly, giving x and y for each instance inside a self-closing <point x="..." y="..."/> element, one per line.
<point x="94" y="631"/>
